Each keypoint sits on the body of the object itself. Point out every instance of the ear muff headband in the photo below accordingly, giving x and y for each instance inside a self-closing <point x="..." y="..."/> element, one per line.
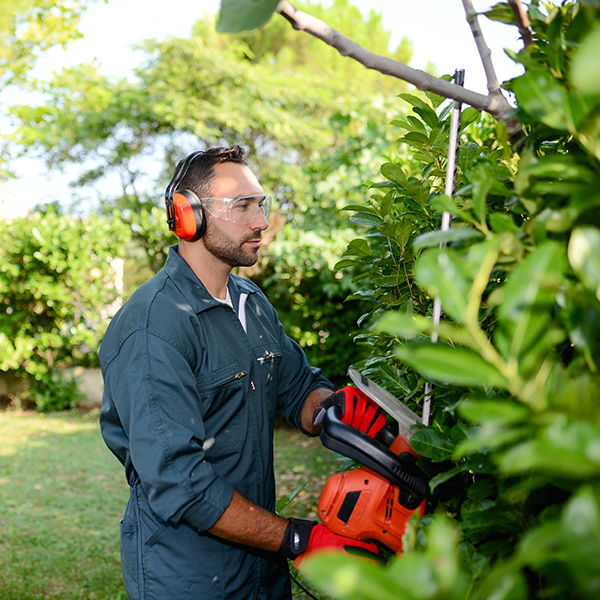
<point x="185" y="214"/>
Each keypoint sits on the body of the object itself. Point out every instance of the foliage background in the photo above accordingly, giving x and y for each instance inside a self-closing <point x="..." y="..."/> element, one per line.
<point x="313" y="125"/>
<point x="514" y="509"/>
<point x="512" y="453"/>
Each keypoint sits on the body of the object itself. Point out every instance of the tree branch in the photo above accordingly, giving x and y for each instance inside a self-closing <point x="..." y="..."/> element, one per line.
<point x="484" y="51"/>
<point x="522" y="22"/>
<point x="495" y="103"/>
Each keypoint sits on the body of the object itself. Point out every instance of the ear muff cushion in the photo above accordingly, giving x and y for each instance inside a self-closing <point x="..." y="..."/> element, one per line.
<point x="190" y="223"/>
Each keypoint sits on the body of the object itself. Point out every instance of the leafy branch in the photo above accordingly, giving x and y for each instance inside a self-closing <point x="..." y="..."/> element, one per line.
<point x="494" y="103"/>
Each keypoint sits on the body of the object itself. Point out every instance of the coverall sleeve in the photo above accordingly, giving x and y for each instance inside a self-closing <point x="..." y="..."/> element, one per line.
<point x="151" y="419"/>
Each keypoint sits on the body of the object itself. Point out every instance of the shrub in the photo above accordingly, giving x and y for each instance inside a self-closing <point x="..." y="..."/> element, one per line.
<point x="53" y="392"/>
<point x="512" y="451"/>
<point x="57" y="287"/>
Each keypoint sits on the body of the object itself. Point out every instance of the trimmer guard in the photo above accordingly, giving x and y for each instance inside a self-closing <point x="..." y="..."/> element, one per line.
<point x="399" y="470"/>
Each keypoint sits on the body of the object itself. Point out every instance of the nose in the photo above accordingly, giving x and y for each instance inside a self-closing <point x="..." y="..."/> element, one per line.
<point x="260" y="221"/>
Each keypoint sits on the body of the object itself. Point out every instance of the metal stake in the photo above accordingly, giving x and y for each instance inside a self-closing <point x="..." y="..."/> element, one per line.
<point x="453" y="145"/>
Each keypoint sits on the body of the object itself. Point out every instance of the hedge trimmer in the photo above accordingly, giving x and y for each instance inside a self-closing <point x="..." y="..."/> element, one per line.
<point x="376" y="500"/>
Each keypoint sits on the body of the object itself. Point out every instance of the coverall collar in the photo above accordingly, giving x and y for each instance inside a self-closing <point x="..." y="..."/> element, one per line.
<point x="193" y="289"/>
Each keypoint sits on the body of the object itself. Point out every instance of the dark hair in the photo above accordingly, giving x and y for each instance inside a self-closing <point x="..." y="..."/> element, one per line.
<point x="201" y="173"/>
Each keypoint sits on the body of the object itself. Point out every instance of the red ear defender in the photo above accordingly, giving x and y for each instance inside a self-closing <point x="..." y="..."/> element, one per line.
<point x="190" y="223"/>
<point x="185" y="213"/>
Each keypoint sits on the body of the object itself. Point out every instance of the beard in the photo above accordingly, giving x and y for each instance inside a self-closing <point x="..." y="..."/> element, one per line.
<point x="230" y="251"/>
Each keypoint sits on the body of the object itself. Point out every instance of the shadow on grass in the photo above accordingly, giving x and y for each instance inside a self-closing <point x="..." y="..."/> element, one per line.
<point x="62" y="495"/>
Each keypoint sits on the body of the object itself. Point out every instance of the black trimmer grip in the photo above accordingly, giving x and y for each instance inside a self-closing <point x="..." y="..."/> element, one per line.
<point x="398" y="470"/>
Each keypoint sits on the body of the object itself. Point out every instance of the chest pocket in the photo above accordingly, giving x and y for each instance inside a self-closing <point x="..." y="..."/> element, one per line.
<point x="268" y="359"/>
<point x="223" y="393"/>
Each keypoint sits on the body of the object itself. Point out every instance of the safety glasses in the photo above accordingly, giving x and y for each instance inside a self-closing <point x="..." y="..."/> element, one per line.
<point x="241" y="210"/>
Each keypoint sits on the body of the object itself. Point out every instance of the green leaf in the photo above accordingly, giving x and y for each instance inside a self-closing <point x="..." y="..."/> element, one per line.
<point x="555" y="167"/>
<point x="467" y="155"/>
<point x="361" y="208"/>
<point x="447" y="365"/>
<point x="543" y="98"/>
<point x="394" y="173"/>
<point x="503" y="222"/>
<point x="585" y="75"/>
<point x="570" y="450"/>
<point x="435" y="99"/>
<point x="584" y="256"/>
<point x="493" y="519"/>
<point x="414" y="100"/>
<point x="580" y="532"/>
<point x="416" y="139"/>
<point x="364" y="218"/>
<point x="473" y="561"/>
<point x="402" y="324"/>
<point x="428" y="115"/>
<point x="403" y="231"/>
<point x="446" y="476"/>
<point x="344" y="263"/>
<point x="482" y="184"/>
<point x="432" y="443"/>
<point x="443" y="203"/>
<point x="504" y="582"/>
<point x="490" y="437"/>
<point x="500" y="411"/>
<point x="341" y="575"/>
<point x="419" y="191"/>
<point x="358" y="247"/>
<point x="435" y="238"/>
<point x="469" y="115"/>
<point x="537" y="546"/>
<point x="285" y="500"/>
<point x="400" y="123"/>
<point x="502" y="13"/>
<point x="443" y="274"/>
<point x="527" y="299"/>
<point x="416" y="124"/>
<point x="242" y="15"/>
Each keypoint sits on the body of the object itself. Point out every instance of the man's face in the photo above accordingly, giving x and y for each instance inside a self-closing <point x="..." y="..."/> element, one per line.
<point x="234" y="244"/>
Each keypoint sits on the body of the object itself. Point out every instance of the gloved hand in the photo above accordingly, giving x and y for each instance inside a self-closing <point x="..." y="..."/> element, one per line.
<point x="305" y="537"/>
<point x="358" y="410"/>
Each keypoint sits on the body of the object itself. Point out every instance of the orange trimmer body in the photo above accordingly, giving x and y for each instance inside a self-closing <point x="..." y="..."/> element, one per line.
<point x="362" y="505"/>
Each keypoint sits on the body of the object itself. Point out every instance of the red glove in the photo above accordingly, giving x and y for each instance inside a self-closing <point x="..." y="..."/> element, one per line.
<point x="358" y="410"/>
<point x="303" y="538"/>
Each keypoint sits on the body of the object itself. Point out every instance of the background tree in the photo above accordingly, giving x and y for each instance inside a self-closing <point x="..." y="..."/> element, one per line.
<point x="28" y="27"/>
<point x="240" y="15"/>
<point x="303" y="125"/>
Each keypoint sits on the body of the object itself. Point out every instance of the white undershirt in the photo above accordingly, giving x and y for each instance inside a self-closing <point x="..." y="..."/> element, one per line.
<point x="227" y="299"/>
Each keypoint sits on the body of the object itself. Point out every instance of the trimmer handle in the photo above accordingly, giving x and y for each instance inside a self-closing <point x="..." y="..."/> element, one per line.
<point x="399" y="470"/>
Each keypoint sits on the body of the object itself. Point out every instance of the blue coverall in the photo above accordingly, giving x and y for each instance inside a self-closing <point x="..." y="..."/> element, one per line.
<point x="189" y="407"/>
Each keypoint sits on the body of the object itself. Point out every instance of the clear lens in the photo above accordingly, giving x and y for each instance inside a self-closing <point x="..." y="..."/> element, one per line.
<point x="242" y="210"/>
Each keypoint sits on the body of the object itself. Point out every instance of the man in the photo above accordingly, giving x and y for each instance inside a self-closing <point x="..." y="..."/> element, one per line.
<point x="196" y="366"/>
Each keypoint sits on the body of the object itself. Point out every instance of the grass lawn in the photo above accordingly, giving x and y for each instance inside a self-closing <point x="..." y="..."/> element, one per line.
<point x="62" y="495"/>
